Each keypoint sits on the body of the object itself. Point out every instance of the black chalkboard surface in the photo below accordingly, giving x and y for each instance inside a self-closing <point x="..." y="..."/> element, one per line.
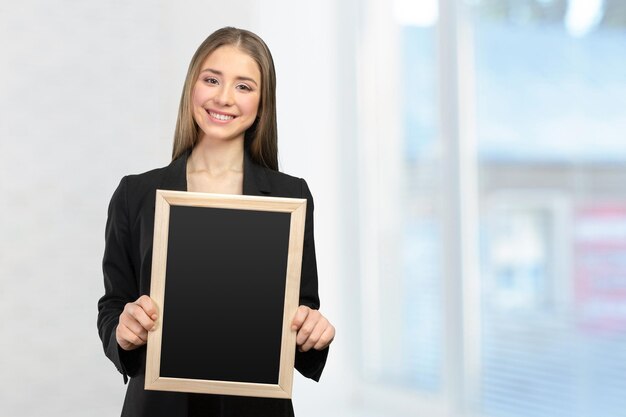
<point x="223" y="277"/>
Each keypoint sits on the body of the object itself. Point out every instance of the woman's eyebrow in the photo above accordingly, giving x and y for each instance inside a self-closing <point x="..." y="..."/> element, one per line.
<point x="242" y="78"/>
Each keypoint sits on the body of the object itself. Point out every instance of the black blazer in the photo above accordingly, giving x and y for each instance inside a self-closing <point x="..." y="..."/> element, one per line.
<point x="127" y="270"/>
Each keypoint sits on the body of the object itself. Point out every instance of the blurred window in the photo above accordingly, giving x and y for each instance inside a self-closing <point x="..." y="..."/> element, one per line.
<point x="548" y="83"/>
<point x="550" y="100"/>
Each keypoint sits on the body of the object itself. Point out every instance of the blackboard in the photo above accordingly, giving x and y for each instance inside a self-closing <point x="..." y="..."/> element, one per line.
<point x="225" y="277"/>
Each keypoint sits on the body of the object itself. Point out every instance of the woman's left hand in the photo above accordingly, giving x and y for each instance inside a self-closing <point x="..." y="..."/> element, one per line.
<point x="314" y="330"/>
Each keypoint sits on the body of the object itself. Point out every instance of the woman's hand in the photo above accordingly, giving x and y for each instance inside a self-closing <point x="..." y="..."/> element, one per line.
<point x="136" y="321"/>
<point x="314" y="330"/>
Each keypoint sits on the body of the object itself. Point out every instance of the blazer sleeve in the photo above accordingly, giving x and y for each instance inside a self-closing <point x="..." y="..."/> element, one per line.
<point x="120" y="283"/>
<point x="311" y="363"/>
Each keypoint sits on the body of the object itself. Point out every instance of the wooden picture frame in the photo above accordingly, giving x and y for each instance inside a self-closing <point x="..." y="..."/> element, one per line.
<point x="218" y="263"/>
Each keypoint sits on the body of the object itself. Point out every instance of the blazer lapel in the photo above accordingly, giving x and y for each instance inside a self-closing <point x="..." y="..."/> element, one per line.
<point x="175" y="177"/>
<point x="255" y="181"/>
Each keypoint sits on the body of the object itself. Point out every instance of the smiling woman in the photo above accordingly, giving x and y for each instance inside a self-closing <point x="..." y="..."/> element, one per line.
<point x="261" y="136"/>
<point x="225" y="102"/>
<point x="225" y="142"/>
<point x="226" y="95"/>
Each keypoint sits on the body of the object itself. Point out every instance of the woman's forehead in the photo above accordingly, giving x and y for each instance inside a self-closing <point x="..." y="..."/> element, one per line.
<point x="229" y="60"/>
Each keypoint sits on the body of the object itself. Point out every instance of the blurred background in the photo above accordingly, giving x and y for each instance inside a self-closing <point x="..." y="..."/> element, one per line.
<point x="468" y="162"/>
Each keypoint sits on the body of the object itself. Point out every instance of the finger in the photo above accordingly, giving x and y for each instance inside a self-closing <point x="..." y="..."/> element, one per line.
<point x="326" y="338"/>
<point x="136" y="332"/>
<point x="148" y="306"/>
<point x="307" y="327"/>
<point x="132" y="324"/>
<point x="128" y="338"/>
<point x="319" y="328"/>
<point x="137" y="312"/>
<point x="300" y="317"/>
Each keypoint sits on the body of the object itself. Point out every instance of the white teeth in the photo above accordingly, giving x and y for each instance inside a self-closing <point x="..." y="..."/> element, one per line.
<point x="221" y="116"/>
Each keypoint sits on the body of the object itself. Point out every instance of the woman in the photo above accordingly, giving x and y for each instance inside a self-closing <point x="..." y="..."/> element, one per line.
<point x="225" y="142"/>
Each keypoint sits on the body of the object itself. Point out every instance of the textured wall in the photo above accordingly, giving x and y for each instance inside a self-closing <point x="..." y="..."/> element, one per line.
<point x="88" y="93"/>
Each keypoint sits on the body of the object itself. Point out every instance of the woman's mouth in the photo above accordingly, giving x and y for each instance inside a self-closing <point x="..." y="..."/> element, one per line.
<point x="219" y="116"/>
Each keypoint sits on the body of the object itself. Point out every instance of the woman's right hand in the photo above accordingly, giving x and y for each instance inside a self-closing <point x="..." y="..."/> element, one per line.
<point x="135" y="322"/>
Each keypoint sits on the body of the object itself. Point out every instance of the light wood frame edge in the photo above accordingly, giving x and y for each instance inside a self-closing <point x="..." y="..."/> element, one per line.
<point x="297" y="208"/>
<point x="292" y="296"/>
<point x="157" y="286"/>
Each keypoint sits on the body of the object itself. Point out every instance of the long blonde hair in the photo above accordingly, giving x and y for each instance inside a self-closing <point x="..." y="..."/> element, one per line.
<point x="260" y="138"/>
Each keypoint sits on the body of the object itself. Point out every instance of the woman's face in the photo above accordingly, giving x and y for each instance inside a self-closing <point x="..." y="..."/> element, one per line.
<point x="226" y="95"/>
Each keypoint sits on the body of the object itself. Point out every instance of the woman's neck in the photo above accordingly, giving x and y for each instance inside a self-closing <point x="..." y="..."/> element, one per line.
<point x="216" y="157"/>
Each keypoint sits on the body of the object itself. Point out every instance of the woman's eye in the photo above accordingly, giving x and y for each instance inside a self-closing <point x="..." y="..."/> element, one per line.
<point x="244" y="87"/>
<point x="211" y="80"/>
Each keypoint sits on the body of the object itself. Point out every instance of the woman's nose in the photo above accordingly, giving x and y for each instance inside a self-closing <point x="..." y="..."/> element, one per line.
<point x="224" y="96"/>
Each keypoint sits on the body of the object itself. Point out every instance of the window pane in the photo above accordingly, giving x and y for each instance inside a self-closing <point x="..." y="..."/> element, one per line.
<point x="422" y="234"/>
<point x="409" y="253"/>
<point x="551" y="94"/>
